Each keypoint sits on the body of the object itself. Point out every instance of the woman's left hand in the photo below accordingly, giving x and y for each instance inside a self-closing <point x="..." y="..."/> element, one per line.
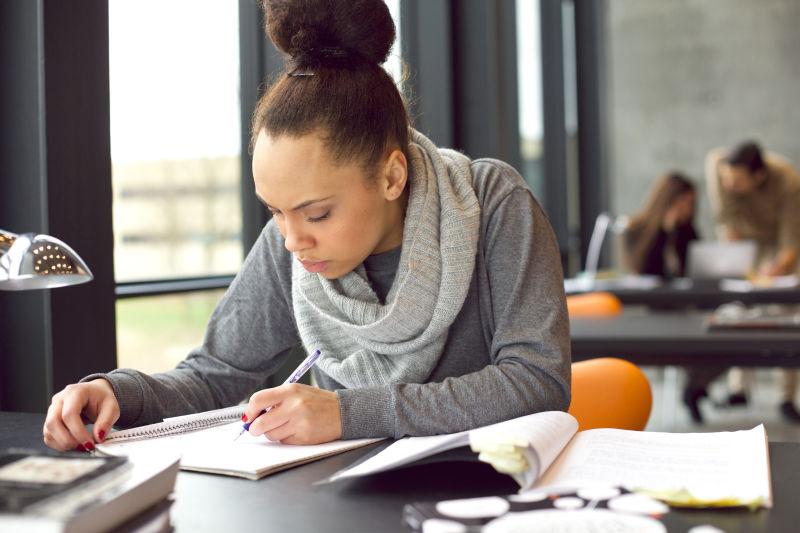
<point x="300" y="414"/>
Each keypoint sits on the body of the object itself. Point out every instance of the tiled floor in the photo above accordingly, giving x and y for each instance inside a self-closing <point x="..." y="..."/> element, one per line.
<point x="669" y="413"/>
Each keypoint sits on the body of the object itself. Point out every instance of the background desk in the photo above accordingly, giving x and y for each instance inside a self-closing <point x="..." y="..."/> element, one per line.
<point x="288" y="501"/>
<point x="701" y="294"/>
<point x="663" y="338"/>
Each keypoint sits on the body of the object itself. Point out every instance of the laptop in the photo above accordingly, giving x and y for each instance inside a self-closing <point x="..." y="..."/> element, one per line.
<point x="717" y="259"/>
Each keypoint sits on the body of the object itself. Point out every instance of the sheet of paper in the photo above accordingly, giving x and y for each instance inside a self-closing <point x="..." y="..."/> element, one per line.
<point x="709" y="465"/>
<point x="404" y="451"/>
<point x="214" y="449"/>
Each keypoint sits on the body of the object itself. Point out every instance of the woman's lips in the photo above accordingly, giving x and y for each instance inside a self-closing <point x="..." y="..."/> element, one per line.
<point x="315" y="266"/>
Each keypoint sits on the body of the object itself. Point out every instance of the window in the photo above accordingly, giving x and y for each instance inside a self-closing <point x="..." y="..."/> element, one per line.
<point x="176" y="159"/>
<point x="175" y="150"/>
<point x="175" y="138"/>
<point x="529" y="69"/>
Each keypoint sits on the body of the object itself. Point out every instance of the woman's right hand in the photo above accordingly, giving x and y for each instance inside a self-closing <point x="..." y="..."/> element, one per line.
<point x="93" y="401"/>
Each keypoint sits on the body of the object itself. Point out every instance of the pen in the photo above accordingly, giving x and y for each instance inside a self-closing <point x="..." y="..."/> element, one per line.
<point x="307" y="363"/>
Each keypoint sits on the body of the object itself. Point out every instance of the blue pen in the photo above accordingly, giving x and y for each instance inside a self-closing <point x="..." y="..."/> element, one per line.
<point x="307" y="363"/>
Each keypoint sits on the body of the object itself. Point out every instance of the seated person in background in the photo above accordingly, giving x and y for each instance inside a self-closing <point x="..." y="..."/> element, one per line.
<point x="756" y="196"/>
<point x="656" y="242"/>
<point x="658" y="236"/>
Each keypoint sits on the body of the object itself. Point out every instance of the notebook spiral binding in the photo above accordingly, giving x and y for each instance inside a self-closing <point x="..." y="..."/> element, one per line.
<point x="165" y="429"/>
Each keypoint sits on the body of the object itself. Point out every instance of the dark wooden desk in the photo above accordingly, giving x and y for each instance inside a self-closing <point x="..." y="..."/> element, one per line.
<point x="680" y="338"/>
<point x="700" y="294"/>
<point x="289" y="502"/>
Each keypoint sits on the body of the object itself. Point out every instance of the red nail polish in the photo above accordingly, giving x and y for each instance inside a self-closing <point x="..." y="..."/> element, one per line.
<point x="244" y="418"/>
<point x="79" y="448"/>
<point x="102" y="434"/>
<point x="88" y="445"/>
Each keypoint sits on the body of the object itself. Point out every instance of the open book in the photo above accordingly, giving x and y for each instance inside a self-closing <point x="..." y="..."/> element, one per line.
<point x="703" y="469"/>
<point x="205" y="443"/>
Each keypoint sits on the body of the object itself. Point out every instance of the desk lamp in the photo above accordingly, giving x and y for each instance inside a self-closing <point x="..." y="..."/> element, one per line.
<point x="31" y="261"/>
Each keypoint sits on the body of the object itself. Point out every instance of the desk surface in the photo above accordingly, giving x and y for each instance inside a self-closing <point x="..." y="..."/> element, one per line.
<point x="288" y="501"/>
<point x="680" y="338"/>
<point x="701" y="294"/>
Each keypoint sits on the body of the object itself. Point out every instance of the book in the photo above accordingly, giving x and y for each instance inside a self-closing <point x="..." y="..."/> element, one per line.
<point x="545" y="450"/>
<point x="205" y="443"/>
<point x="76" y="492"/>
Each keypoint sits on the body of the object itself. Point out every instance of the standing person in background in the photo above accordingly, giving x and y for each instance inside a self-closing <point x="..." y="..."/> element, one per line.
<point x="656" y="242"/>
<point x="658" y="236"/>
<point x="756" y="196"/>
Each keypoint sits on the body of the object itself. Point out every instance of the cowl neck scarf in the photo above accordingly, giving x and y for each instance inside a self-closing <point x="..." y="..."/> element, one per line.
<point x="365" y="343"/>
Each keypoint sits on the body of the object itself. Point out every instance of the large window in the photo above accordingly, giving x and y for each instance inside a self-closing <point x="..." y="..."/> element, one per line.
<point x="175" y="137"/>
<point x="175" y="149"/>
<point x="176" y="158"/>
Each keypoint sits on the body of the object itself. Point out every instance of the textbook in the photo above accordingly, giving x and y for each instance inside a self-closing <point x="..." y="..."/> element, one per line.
<point x="547" y="450"/>
<point x="205" y="443"/>
<point x="46" y="491"/>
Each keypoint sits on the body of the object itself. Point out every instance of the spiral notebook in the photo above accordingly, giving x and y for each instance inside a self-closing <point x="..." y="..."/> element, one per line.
<point x="205" y="443"/>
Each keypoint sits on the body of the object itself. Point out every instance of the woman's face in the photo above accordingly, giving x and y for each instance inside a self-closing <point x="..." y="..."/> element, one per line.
<point x="329" y="213"/>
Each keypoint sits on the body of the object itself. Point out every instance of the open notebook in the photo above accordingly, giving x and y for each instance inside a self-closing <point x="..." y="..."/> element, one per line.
<point x="546" y="450"/>
<point x="205" y="443"/>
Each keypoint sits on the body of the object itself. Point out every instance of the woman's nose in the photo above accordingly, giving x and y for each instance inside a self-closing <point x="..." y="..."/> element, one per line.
<point x="295" y="238"/>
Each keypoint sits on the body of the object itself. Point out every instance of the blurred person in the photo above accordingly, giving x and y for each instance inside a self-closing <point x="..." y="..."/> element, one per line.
<point x="658" y="236"/>
<point x="656" y="243"/>
<point x="756" y="196"/>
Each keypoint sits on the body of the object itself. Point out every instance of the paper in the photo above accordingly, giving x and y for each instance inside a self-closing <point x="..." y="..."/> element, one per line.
<point x="214" y="450"/>
<point x="542" y="435"/>
<point x="709" y="466"/>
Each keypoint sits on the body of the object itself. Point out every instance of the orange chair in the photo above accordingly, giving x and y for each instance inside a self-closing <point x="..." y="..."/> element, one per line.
<point x="610" y="393"/>
<point x="593" y="304"/>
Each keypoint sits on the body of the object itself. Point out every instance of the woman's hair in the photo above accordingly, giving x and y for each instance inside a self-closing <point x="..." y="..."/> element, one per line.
<point x="334" y="83"/>
<point x="644" y="226"/>
<point x="748" y="155"/>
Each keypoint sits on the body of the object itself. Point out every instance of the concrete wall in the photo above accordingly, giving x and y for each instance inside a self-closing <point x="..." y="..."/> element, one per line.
<point x="685" y="76"/>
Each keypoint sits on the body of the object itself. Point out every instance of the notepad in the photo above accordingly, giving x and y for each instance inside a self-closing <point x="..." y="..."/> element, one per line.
<point x="205" y="443"/>
<point x="546" y="450"/>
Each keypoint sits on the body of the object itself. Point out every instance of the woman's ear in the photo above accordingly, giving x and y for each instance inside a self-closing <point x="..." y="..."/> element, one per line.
<point x="395" y="172"/>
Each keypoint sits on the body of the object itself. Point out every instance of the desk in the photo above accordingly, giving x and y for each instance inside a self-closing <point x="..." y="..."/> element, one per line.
<point x="663" y="338"/>
<point x="702" y="294"/>
<point x="287" y="501"/>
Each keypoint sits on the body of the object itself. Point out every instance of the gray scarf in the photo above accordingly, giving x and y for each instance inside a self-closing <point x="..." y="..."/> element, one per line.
<point x="365" y="343"/>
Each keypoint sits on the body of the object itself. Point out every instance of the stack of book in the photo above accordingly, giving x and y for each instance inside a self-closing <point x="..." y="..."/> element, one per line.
<point x="66" y="492"/>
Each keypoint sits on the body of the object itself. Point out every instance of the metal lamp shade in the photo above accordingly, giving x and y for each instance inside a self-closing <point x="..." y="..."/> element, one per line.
<point x="31" y="261"/>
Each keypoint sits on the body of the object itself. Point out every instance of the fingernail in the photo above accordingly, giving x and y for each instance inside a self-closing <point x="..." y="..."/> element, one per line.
<point x="244" y="418"/>
<point x="101" y="434"/>
<point x="79" y="448"/>
<point x="88" y="445"/>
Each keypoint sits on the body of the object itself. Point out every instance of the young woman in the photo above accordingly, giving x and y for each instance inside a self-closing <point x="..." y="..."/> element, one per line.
<point x="431" y="283"/>
<point x="658" y="236"/>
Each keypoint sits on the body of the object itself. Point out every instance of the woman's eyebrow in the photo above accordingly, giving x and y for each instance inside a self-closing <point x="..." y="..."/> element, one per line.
<point x="298" y="206"/>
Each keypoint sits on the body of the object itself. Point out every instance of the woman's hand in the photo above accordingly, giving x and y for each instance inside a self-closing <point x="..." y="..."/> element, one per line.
<point x="65" y="429"/>
<point x="300" y="414"/>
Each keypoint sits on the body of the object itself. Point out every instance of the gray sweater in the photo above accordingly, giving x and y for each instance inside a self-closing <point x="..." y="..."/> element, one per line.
<point x="506" y="355"/>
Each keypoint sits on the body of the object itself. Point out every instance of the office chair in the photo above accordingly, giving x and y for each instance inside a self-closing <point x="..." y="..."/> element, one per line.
<point x="593" y="304"/>
<point x="610" y="393"/>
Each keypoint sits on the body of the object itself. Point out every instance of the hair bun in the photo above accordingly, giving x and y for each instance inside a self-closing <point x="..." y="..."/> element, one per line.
<point x="320" y="30"/>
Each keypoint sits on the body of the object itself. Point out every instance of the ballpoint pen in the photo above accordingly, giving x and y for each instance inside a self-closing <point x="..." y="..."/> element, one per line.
<point x="307" y="363"/>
